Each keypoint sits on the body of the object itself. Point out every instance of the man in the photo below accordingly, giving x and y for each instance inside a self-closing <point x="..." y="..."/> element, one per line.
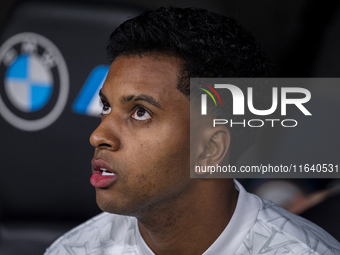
<point x="142" y="156"/>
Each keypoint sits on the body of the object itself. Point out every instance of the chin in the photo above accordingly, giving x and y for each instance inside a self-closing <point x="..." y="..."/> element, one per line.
<point x="111" y="208"/>
<point x="106" y="202"/>
<point x="111" y="204"/>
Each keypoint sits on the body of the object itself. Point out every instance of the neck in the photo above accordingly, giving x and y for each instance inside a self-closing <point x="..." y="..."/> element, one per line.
<point x="191" y="223"/>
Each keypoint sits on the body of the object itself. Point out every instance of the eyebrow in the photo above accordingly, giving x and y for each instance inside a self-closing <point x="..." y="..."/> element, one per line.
<point x="102" y="96"/>
<point x="140" y="97"/>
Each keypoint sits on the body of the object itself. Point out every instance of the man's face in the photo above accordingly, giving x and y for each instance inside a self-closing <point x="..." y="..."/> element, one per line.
<point x="143" y="137"/>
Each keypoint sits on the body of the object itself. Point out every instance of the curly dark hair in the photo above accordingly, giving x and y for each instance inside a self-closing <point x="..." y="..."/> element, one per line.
<point x="210" y="45"/>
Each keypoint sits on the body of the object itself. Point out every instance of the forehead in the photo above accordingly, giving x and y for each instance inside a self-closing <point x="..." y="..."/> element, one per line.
<point x="156" y="74"/>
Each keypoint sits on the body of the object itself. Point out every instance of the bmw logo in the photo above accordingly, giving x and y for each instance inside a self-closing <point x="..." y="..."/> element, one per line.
<point x="34" y="82"/>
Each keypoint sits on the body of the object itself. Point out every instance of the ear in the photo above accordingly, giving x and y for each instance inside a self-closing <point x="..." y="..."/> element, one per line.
<point x="215" y="146"/>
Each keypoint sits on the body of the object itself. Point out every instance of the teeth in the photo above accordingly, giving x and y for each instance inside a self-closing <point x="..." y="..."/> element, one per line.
<point x="107" y="173"/>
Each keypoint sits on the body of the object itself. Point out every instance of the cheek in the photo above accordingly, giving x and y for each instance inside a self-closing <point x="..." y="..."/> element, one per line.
<point x="159" y="159"/>
<point x="158" y="153"/>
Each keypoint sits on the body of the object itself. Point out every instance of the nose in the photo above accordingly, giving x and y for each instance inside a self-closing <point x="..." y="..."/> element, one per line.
<point x="104" y="136"/>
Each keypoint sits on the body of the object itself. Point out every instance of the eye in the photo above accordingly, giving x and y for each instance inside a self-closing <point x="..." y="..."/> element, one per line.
<point x="140" y="113"/>
<point x="106" y="108"/>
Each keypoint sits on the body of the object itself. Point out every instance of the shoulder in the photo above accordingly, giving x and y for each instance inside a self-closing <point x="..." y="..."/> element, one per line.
<point x="103" y="234"/>
<point x="279" y="231"/>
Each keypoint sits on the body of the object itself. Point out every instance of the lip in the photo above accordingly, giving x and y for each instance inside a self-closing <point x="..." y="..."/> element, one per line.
<point x="98" y="178"/>
<point x="98" y="163"/>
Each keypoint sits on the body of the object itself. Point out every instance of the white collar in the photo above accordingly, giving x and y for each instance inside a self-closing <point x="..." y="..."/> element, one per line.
<point x="243" y="219"/>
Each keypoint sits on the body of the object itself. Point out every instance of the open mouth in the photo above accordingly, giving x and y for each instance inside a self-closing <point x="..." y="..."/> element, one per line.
<point x="104" y="171"/>
<point x="102" y="175"/>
